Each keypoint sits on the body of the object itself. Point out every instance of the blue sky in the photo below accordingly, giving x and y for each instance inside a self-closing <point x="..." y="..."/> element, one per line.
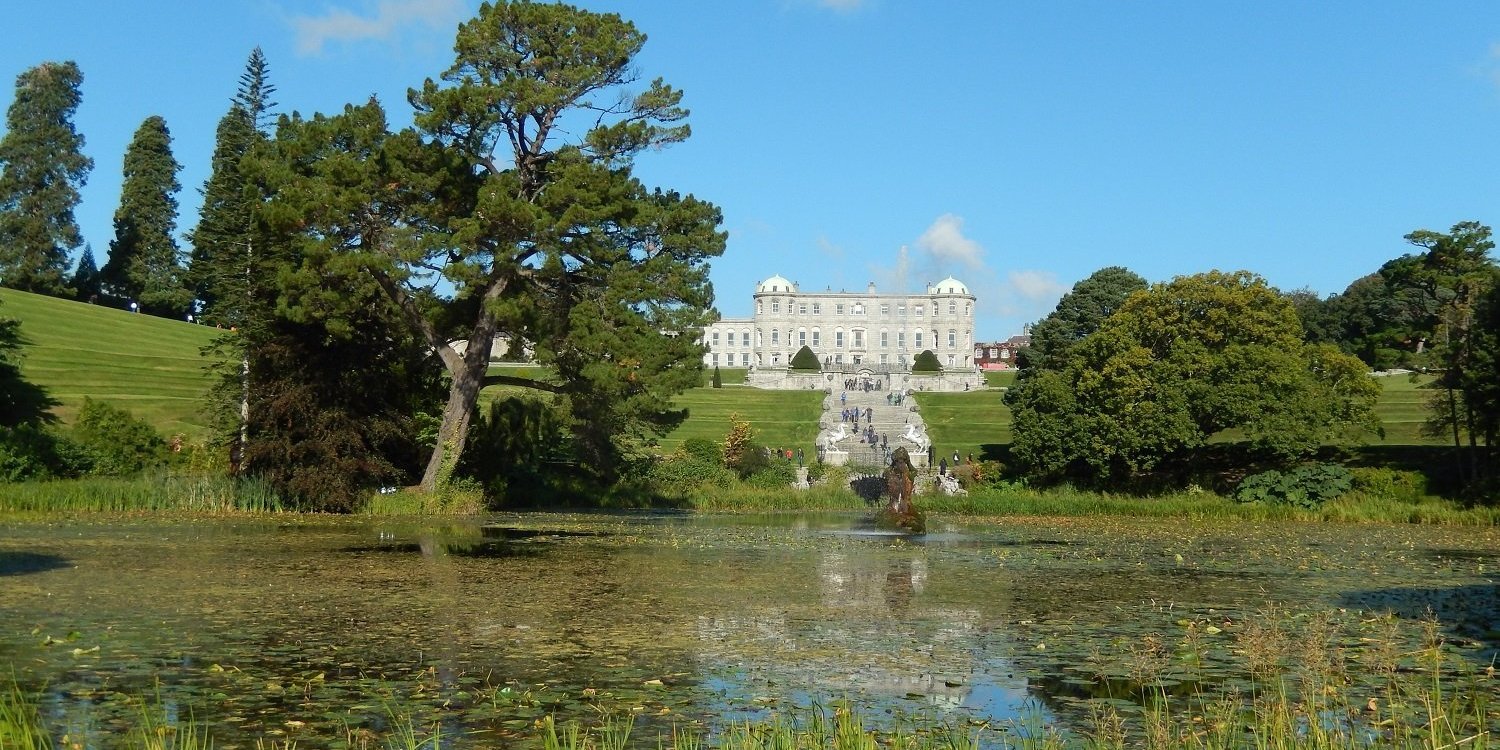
<point x="1017" y="146"/>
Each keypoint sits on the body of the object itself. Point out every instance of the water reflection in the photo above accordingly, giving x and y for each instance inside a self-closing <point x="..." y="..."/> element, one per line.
<point x="487" y="627"/>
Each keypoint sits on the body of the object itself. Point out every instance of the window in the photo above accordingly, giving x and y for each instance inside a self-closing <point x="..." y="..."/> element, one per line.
<point x="919" y="311"/>
<point x="885" y="309"/>
<point x="1005" y="354"/>
<point x="952" y="339"/>
<point x="744" y="359"/>
<point x="759" y="338"/>
<point x="901" y="339"/>
<point x="885" y="340"/>
<point x="760" y="307"/>
<point x="817" y="308"/>
<point x="952" y="307"/>
<point x="901" y="310"/>
<point x="716" y="339"/>
<point x="815" y="338"/>
<point x="966" y="308"/>
<point x="859" y="339"/>
<point x="838" y="339"/>
<point x="802" y="309"/>
<point x="950" y="360"/>
<point x="775" y="337"/>
<point x="839" y="358"/>
<point x="745" y="337"/>
<point x="882" y="359"/>
<point x="838" y="310"/>
<point x="775" y="307"/>
<point x="715" y="357"/>
<point x="801" y="337"/>
<point x="918" y="336"/>
<point x="859" y="310"/>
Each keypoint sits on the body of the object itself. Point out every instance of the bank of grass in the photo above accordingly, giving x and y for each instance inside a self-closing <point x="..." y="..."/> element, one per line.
<point x="161" y="491"/>
<point x="151" y="366"/>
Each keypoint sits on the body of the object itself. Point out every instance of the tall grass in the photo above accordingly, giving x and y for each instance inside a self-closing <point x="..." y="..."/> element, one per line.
<point x="151" y="492"/>
<point x="20" y="722"/>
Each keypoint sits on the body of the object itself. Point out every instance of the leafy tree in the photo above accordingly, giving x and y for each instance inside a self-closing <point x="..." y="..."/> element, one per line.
<point x="339" y="382"/>
<point x="145" y="264"/>
<point x="42" y="168"/>
<point x="1364" y="320"/>
<point x="1079" y="313"/>
<point x="1177" y="364"/>
<point x="926" y="361"/>
<point x="804" y="359"/>
<point x="116" y="442"/>
<point x="86" y="281"/>
<point x="519" y="190"/>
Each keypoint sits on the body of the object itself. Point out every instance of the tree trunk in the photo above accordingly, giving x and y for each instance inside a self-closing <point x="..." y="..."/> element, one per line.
<point x="468" y="379"/>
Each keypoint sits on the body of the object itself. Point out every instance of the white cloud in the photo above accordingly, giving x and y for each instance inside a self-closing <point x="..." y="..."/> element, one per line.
<point x="1036" y="286"/>
<point x="388" y="18"/>
<point x="945" y="242"/>
<point x="829" y="249"/>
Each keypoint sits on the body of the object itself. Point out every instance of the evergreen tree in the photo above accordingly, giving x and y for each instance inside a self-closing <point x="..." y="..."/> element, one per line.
<point x="42" y="168"/>
<point x="145" y="264"/>
<point x="804" y="359"/>
<point x="86" y="283"/>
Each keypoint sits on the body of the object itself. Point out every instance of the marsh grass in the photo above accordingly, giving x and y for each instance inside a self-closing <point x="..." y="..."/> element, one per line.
<point x="20" y="722"/>
<point x="151" y="492"/>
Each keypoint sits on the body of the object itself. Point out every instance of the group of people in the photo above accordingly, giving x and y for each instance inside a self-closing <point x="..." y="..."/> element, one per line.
<point x="790" y="454"/>
<point x="895" y="398"/>
<point x="855" y="414"/>
<point x="862" y="384"/>
<point x="943" y="462"/>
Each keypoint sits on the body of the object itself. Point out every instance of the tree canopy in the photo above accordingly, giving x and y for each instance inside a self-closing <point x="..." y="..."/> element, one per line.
<point x="1079" y="313"/>
<point x="145" y="264"/>
<point x="42" y="168"/>
<point x="1177" y="364"/>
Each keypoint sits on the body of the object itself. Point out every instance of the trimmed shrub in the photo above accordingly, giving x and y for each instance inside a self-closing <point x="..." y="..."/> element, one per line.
<point x="926" y="362"/>
<point x="1390" y="484"/>
<point x="718" y="381"/>
<point x="804" y="359"/>
<point x="1305" y="486"/>
<point x="703" y="451"/>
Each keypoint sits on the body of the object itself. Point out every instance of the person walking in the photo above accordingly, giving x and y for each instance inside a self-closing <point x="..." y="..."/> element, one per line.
<point x="942" y="467"/>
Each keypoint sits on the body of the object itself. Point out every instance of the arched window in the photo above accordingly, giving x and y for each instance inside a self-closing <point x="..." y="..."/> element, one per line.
<point x="952" y="339"/>
<point x="917" y="337"/>
<point x="952" y="307"/>
<point x="775" y="306"/>
<point x="775" y="337"/>
<point x="838" y="339"/>
<point x="759" y="338"/>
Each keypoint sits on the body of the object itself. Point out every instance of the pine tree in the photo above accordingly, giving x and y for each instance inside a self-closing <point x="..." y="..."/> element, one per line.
<point x="145" y="264"/>
<point x="86" y="282"/>
<point x="42" y="168"/>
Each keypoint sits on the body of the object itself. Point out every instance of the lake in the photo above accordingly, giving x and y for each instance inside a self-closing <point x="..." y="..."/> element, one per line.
<point x="321" y="629"/>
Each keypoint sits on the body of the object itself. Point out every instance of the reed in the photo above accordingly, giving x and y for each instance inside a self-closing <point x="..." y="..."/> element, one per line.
<point x="151" y="492"/>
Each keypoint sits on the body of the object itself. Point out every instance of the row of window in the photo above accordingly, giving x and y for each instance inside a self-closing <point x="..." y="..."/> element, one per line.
<point x="778" y="357"/>
<point x="858" y="308"/>
<point x="857" y="335"/>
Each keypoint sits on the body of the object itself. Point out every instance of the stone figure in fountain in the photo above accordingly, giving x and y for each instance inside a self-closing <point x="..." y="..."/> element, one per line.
<point x="900" y="479"/>
<point x="838" y="434"/>
<point x="917" y="437"/>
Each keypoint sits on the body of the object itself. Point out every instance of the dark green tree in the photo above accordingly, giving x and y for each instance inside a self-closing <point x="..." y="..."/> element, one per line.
<point x="926" y="361"/>
<point x="339" y="381"/>
<point x="804" y="359"/>
<point x="86" y="282"/>
<point x="718" y="381"/>
<point x="1178" y="364"/>
<point x="1079" y="313"/>
<point x="27" y="450"/>
<point x="537" y="222"/>
<point x="1442" y="288"/>
<point x="145" y="265"/>
<point x="42" y="168"/>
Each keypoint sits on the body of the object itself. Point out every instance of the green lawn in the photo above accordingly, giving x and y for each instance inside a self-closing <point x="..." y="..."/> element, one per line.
<point x="148" y="365"/>
<point x="787" y="419"/>
<point x="976" y="422"/>
<point x="1402" y="408"/>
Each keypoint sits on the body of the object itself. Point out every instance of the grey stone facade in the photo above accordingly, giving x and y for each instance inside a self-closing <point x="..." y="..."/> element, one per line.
<point x="867" y="332"/>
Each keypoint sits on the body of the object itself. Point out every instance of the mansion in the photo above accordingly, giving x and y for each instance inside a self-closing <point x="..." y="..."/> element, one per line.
<point x="852" y="332"/>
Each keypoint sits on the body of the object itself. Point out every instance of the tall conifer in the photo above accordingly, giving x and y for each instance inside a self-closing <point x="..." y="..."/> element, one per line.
<point x="42" y="168"/>
<point x="145" y="264"/>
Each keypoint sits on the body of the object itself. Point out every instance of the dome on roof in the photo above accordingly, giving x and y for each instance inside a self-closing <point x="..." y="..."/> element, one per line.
<point x="775" y="284"/>
<point x="950" y="285"/>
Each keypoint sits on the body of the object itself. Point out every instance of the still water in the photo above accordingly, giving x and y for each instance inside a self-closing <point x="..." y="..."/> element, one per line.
<point x="322" y="629"/>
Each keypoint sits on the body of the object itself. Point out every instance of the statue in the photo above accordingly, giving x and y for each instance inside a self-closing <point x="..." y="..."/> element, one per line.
<point x="838" y="434"/>
<point x="916" y="437"/>
<point x="898" y="512"/>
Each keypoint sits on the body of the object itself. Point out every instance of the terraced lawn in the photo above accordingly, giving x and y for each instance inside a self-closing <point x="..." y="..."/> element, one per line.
<point x="151" y="366"/>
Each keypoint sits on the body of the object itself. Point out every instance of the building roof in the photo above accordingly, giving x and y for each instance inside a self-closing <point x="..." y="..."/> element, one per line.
<point x="950" y="285"/>
<point x="777" y="283"/>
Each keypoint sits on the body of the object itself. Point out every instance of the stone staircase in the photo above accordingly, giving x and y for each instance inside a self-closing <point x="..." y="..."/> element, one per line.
<point x="895" y="426"/>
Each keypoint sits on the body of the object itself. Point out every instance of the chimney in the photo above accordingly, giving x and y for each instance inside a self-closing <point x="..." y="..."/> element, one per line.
<point x="871" y="288"/>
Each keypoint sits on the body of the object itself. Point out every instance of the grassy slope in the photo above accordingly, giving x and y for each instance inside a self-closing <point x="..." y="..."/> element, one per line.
<point x="780" y="418"/>
<point x="148" y="365"/>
